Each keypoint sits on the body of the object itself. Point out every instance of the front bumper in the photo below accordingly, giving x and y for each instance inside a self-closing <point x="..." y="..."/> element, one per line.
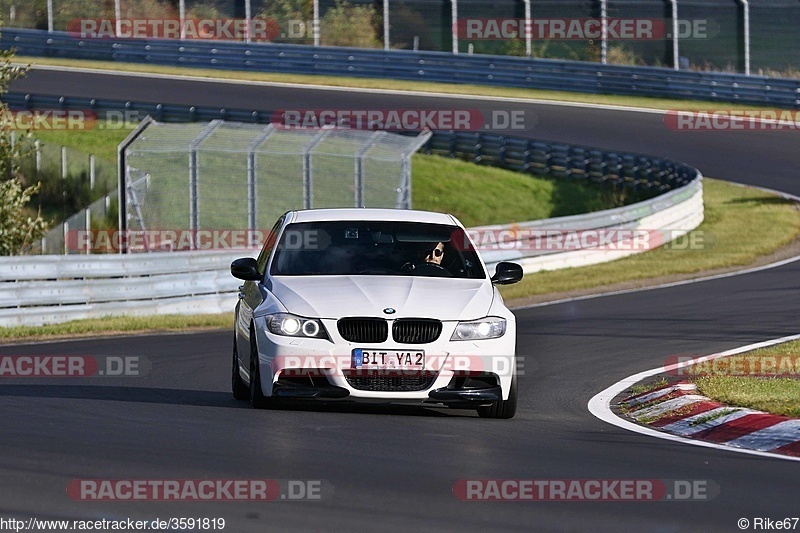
<point x="329" y="364"/>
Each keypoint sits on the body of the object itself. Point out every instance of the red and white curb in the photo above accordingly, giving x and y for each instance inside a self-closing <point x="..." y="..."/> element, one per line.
<point x="678" y="413"/>
<point x="677" y="409"/>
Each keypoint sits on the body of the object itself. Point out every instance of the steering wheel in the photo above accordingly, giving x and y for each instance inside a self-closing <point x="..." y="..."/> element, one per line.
<point x="426" y="269"/>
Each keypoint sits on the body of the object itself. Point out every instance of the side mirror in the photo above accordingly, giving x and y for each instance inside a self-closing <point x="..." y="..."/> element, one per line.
<point x="507" y="273"/>
<point x="245" y="268"/>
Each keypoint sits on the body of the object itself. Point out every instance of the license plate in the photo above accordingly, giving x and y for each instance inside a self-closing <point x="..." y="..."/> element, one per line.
<point x="388" y="359"/>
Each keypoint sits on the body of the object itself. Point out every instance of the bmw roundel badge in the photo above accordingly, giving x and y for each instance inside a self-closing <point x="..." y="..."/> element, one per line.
<point x="389" y="311"/>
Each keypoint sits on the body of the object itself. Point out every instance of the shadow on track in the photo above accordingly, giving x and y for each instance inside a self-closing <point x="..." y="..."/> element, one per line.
<point x="200" y="398"/>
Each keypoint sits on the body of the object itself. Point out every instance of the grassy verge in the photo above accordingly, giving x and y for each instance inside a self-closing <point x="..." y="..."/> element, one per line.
<point x="397" y="85"/>
<point x="100" y="142"/>
<point x="756" y="379"/>
<point x="741" y="224"/>
<point x="479" y="195"/>
<point x="116" y="325"/>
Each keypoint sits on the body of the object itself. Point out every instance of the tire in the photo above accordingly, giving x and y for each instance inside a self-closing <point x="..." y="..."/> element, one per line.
<point x="502" y="408"/>
<point x="238" y="387"/>
<point x="257" y="398"/>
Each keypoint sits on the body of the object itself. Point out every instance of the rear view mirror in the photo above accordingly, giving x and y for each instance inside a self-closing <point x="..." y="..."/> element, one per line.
<point x="507" y="273"/>
<point x="245" y="268"/>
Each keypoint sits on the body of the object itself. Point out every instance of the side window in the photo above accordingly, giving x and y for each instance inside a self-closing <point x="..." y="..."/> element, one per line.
<point x="269" y="244"/>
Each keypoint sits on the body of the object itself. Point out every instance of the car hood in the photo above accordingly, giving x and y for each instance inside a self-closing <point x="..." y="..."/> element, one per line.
<point x="410" y="296"/>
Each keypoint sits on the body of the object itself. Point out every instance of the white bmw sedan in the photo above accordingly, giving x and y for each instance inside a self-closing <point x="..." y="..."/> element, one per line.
<point x="378" y="305"/>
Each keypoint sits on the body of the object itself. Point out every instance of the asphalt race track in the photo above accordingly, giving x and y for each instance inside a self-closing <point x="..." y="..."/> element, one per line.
<point x="394" y="468"/>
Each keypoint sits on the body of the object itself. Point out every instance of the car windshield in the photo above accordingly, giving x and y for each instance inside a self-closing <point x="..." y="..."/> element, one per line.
<point x="376" y="248"/>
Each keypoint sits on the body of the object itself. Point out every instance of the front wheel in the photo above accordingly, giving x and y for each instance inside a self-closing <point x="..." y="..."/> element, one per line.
<point x="502" y="408"/>
<point x="238" y="386"/>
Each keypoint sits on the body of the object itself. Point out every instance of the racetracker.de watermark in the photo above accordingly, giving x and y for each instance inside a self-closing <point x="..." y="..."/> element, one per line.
<point x="68" y="119"/>
<point x="733" y="120"/>
<point x="601" y="239"/>
<point x="581" y="490"/>
<point x="761" y="366"/>
<point x="213" y="29"/>
<point x="524" y="240"/>
<point x="405" y="119"/>
<point x="73" y="366"/>
<point x="199" y="489"/>
<point x="397" y="363"/>
<point x="582" y="29"/>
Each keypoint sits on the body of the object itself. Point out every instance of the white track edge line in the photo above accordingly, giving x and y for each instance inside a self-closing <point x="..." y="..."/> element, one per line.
<point x="600" y="404"/>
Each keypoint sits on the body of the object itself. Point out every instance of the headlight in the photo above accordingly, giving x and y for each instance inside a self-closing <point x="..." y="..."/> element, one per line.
<point x="296" y="326"/>
<point x="485" y="328"/>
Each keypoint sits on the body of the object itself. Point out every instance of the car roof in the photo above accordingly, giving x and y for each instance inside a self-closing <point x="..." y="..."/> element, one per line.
<point x="394" y="215"/>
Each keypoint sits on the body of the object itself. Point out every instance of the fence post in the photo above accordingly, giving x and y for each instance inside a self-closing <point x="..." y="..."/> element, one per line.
<point x="308" y="171"/>
<point x="88" y="237"/>
<point x="675" y="51"/>
<point x="91" y="171"/>
<point x="746" y="9"/>
<point x="603" y="31"/>
<point x="50" y="16"/>
<point x="117" y="18"/>
<point x="63" y="162"/>
<point x="65" y="227"/>
<point x="316" y="23"/>
<point x="454" y="24"/>
<point x="194" y="212"/>
<point x="252" y="189"/>
<point x="386" y="24"/>
<point x="38" y="148"/>
<point x="182" y="17"/>
<point x="248" y="18"/>
<point x="359" y="167"/>
<point x="528" y="28"/>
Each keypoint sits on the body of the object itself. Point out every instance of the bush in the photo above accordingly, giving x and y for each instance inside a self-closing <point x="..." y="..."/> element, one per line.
<point x="347" y="25"/>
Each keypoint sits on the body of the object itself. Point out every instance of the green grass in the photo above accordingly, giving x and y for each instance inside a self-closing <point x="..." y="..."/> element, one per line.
<point x="399" y="85"/>
<point x="641" y="388"/>
<point x="778" y="395"/>
<point x="117" y="325"/>
<point x="481" y="195"/>
<point x="100" y="142"/>
<point x="741" y="224"/>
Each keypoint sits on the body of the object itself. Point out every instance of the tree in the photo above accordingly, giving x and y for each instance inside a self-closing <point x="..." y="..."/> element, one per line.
<point x="18" y="228"/>
<point x="348" y="25"/>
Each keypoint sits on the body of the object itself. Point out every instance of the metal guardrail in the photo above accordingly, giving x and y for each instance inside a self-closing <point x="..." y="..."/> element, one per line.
<point x="504" y="71"/>
<point x="199" y="282"/>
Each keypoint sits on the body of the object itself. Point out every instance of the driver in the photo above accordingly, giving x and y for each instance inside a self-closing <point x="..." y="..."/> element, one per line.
<point x="436" y="255"/>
